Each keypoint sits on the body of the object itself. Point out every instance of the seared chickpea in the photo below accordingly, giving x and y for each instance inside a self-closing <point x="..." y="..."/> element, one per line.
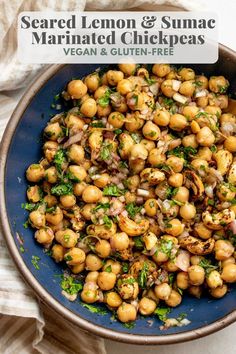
<point x="229" y="273"/>
<point x="161" y="118"/>
<point x="51" y="174"/>
<point x="34" y="194"/>
<point x="116" y="119"/>
<point x="54" y="217"/>
<point x="75" y="256"/>
<point x="58" y="252"/>
<point x="133" y="182"/>
<point x="126" y="312"/>
<point x="195" y="127"/>
<point x="227" y="261"/>
<point x="78" y="188"/>
<point x="202" y="101"/>
<point x="175" y="180"/>
<point x="162" y="291"/>
<point x="174" y="227"/>
<point x="113" y="299"/>
<point x="92" y="277"/>
<point x="67" y="238"/>
<point x="44" y="236"/>
<point x="148" y="144"/>
<point x="76" y="89"/>
<point x="101" y="91"/>
<point x="37" y="219"/>
<point x="230" y="143"/>
<point x="135" y="100"/>
<point x="124" y="86"/>
<point x="103" y="248"/>
<point x="115" y="266"/>
<point x="76" y="153"/>
<point x="91" y="194"/>
<point x="200" y="164"/>
<point x="68" y="201"/>
<point x="213" y="110"/>
<point x="195" y="291"/>
<point x="151" y="131"/>
<point x="134" y="123"/>
<point x="120" y="241"/>
<point x="35" y="173"/>
<point x="78" y="172"/>
<point x="161" y="70"/>
<point x="78" y="268"/>
<point x="223" y="249"/>
<point x="187" y="211"/>
<point x="127" y="287"/>
<point x="92" y="81"/>
<point x="187" y="74"/>
<point x="106" y="280"/>
<point x="114" y="76"/>
<point x="196" y="275"/>
<point x="160" y="256"/>
<point x="53" y="131"/>
<point x="219" y="292"/>
<point x="214" y="280"/>
<point x="174" y="299"/>
<point x="204" y="153"/>
<point x="182" y="194"/>
<point x="224" y="193"/>
<point x="156" y="157"/>
<point x="178" y="122"/>
<point x="74" y="123"/>
<point x="205" y="137"/>
<point x="151" y="207"/>
<point x="128" y="69"/>
<point x="196" y="259"/>
<point x="182" y="280"/>
<point x="146" y="306"/>
<point x="93" y="262"/>
<point x="218" y="84"/>
<point x="202" y="231"/>
<point x="89" y="108"/>
<point x="202" y="81"/>
<point x="190" y="112"/>
<point x="190" y="140"/>
<point x="138" y="151"/>
<point x="175" y="163"/>
<point x="170" y="266"/>
<point x="102" y="181"/>
<point x="89" y="295"/>
<point x="187" y="88"/>
<point x="167" y="88"/>
<point x="130" y="197"/>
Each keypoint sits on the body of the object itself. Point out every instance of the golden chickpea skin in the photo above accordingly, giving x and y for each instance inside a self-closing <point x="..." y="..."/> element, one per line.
<point x="89" y="296"/>
<point x="187" y="211"/>
<point x="115" y="266"/>
<point x="75" y="256"/>
<point x="120" y="241"/>
<point x="162" y="291"/>
<point x="202" y="81"/>
<point x="174" y="299"/>
<point x="68" y="201"/>
<point x="78" y="172"/>
<point x="190" y="112"/>
<point x="77" y="268"/>
<point x="133" y="182"/>
<point x="135" y="100"/>
<point x="229" y="273"/>
<point x="230" y="143"/>
<point x="103" y="248"/>
<point x="182" y="195"/>
<point x="102" y="181"/>
<point x="51" y="174"/>
<point x="156" y="157"/>
<point x="187" y="88"/>
<point x="151" y="131"/>
<point x="187" y="74"/>
<point x="148" y="144"/>
<point x="87" y="211"/>
<point x="89" y="108"/>
<point x="196" y="275"/>
<point x="34" y="194"/>
<point x="91" y="194"/>
<point x="55" y="217"/>
<point x="78" y="188"/>
<point x="202" y="101"/>
<point x="74" y="123"/>
<point x="205" y="137"/>
<point x="175" y="180"/>
<point x="37" y="219"/>
<point x="50" y="148"/>
<point x="167" y="88"/>
<point x="106" y="281"/>
<point x="58" y="253"/>
<point x="195" y="127"/>
<point x="67" y="238"/>
<point x="126" y="312"/>
<point x="174" y="227"/>
<point x="76" y="153"/>
<point x="151" y="207"/>
<point x="161" y="118"/>
<point x="116" y="119"/>
<point x="218" y="84"/>
<point x="190" y="140"/>
<point x="175" y="163"/>
<point x="202" y="231"/>
<point x="182" y="280"/>
<point x="113" y="299"/>
<point x="138" y="151"/>
<point x="93" y="262"/>
<point x="224" y="193"/>
<point x="146" y="306"/>
<point x="35" y="173"/>
<point x="160" y="257"/>
<point x="92" y="82"/>
<point x="195" y="291"/>
<point x="178" y="122"/>
<point x="44" y="236"/>
<point x="53" y="131"/>
<point x="161" y="70"/>
<point x="227" y="261"/>
<point x="101" y="91"/>
<point x="214" y="280"/>
<point x="128" y="69"/>
<point x="204" y="153"/>
<point x="219" y="292"/>
<point x="223" y="249"/>
<point x="76" y="89"/>
<point x="114" y="76"/>
<point x="124" y="86"/>
<point x="92" y="277"/>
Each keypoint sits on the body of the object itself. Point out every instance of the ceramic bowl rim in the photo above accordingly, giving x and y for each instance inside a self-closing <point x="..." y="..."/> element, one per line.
<point x="39" y="290"/>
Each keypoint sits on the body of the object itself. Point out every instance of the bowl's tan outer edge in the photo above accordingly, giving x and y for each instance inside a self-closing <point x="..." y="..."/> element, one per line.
<point x="40" y="292"/>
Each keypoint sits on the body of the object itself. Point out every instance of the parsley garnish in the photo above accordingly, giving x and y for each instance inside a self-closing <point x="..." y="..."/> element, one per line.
<point x="113" y="190"/>
<point x="133" y="209"/>
<point x="183" y="152"/>
<point x="142" y="278"/>
<point x="59" y="159"/>
<point x="105" y="152"/>
<point x="162" y="313"/>
<point x="129" y="325"/>
<point x="138" y="242"/>
<point x="108" y="269"/>
<point x="105" y="99"/>
<point x="34" y="261"/>
<point x="207" y="265"/>
<point x="107" y="221"/>
<point x="29" y="206"/>
<point x="104" y="206"/>
<point x="94" y="309"/>
<point x="62" y="189"/>
<point x="69" y="285"/>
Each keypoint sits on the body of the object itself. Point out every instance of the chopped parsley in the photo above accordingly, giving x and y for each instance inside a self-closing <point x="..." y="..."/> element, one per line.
<point x="183" y="152"/>
<point x="108" y="269"/>
<point x="29" y="206"/>
<point x="94" y="309"/>
<point x="142" y="277"/>
<point x="125" y="267"/>
<point x="105" y="99"/>
<point x="162" y="313"/>
<point x="113" y="190"/>
<point x="62" y="189"/>
<point x="70" y="285"/>
<point x="210" y="202"/>
<point x="171" y="191"/>
<point x="150" y="81"/>
<point x="34" y="261"/>
<point x="129" y="325"/>
<point x="22" y="249"/>
<point x="59" y="159"/>
<point x="107" y="221"/>
<point x="208" y="266"/>
<point x="105" y="152"/>
<point x="133" y="209"/>
<point x="99" y="206"/>
<point x="213" y="148"/>
<point x="136" y="137"/>
<point x="138" y="242"/>
<point x="117" y="131"/>
<point x="97" y="124"/>
<point x="166" y="246"/>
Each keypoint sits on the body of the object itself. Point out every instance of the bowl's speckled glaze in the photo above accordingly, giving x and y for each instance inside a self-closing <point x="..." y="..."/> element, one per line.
<point x="21" y="145"/>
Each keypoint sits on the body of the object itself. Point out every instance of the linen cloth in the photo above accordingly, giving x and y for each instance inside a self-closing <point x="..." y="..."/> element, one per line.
<point x="26" y="325"/>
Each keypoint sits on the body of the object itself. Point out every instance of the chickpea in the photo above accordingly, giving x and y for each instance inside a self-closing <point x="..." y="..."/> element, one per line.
<point x="182" y="280"/>
<point x="134" y="123"/>
<point x="195" y="291"/>
<point x="214" y="280"/>
<point x="148" y="144"/>
<point x="93" y="262"/>
<point x="91" y="194"/>
<point x="102" y="181"/>
<point x="133" y="182"/>
<point x="128" y="69"/>
<point x="161" y="118"/>
<point x="229" y="273"/>
<point x="115" y="266"/>
<point x="162" y="291"/>
<point x="190" y="140"/>
<point x="51" y="174"/>
<point x="230" y="143"/>
<point x="50" y="148"/>
<point x="100" y="92"/>
<point x="76" y="153"/>
<point x="67" y="238"/>
<point x="202" y="81"/>
<point x="113" y="299"/>
<point x="187" y="88"/>
<point x="92" y="277"/>
<point x="200" y="164"/>
<point x="92" y="81"/>
<point x="205" y="137"/>
<point x="194" y="260"/>
<point x="176" y="180"/>
<point x="124" y="86"/>
<point x="116" y="119"/>
<point x="89" y="108"/>
<point x="204" y="153"/>
<point x="174" y="227"/>
<point x="78" y="268"/>
<point x="135" y="100"/>
<point x="78" y="188"/>
<point x="37" y="219"/>
<point x="196" y="275"/>
<point x="218" y="84"/>
<point x="89" y="295"/>
<point x="78" y="172"/>
<point x="75" y="256"/>
<point x="219" y="292"/>
<point x="187" y="74"/>
<point x="178" y="122"/>
<point x="103" y="248"/>
<point x="74" y="123"/>
<point x="224" y="193"/>
<point x="44" y="236"/>
<point x="151" y="207"/>
<point x="55" y="217"/>
<point x="76" y="89"/>
<point x="156" y="157"/>
<point x="34" y="194"/>
<point x="223" y="249"/>
<point x="213" y="110"/>
<point x="228" y="261"/>
<point x="190" y="112"/>
<point x="120" y="241"/>
<point x="174" y="299"/>
<point x="106" y="281"/>
<point x="35" y="173"/>
<point x="114" y="76"/>
<point x="146" y="306"/>
<point x="126" y="312"/>
<point x="187" y="211"/>
<point x="58" y="252"/>
<point x="202" y="101"/>
<point x="53" y="131"/>
<point x="160" y="257"/>
<point x="138" y="151"/>
<point x="202" y="231"/>
<point x="127" y="287"/>
<point x="175" y="163"/>
<point x="195" y="127"/>
<point x="161" y="70"/>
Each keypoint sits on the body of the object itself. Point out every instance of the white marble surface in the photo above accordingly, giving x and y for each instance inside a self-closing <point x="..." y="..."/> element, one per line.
<point x="223" y="341"/>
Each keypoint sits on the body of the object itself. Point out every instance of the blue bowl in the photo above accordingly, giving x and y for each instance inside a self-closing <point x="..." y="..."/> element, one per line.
<point x="21" y="145"/>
